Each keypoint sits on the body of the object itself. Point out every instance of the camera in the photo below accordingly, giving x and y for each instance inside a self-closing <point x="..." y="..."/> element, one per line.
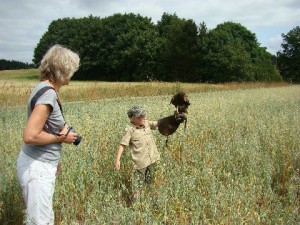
<point x="78" y="139"/>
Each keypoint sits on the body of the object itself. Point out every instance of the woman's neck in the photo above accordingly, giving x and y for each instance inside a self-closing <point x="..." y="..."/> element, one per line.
<point x="54" y="85"/>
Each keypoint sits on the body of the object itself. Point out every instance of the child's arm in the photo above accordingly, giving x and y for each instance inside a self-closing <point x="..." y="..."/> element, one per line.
<point x="119" y="154"/>
<point x="153" y="124"/>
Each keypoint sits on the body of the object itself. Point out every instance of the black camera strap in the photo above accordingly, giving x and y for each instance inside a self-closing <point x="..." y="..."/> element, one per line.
<point x="47" y="127"/>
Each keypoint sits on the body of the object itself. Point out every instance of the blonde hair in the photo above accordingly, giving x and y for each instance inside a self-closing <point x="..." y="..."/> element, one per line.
<point x="58" y="64"/>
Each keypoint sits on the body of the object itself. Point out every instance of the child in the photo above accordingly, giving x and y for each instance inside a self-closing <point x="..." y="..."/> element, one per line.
<point x="139" y="138"/>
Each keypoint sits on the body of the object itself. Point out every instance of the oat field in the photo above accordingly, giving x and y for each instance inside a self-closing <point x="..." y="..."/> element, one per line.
<point x="237" y="162"/>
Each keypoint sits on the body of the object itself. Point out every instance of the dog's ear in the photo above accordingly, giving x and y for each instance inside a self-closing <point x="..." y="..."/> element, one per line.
<point x="180" y="101"/>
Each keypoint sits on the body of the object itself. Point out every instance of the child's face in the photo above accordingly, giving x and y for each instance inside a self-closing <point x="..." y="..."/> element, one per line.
<point x="138" y="121"/>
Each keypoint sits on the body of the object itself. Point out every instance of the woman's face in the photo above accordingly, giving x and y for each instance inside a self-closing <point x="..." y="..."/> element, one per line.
<point x="67" y="80"/>
<point x="138" y="121"/>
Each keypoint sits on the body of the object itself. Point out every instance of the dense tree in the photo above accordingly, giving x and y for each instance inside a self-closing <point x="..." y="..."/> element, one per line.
<point x="264" y="68"/>
<point x="14" y="65"/>
<point x="230" y="52"/>
<point x="119" y="47"/>
<point x="129" y="47"/>
<point x="202" y="45"/>
<point x="178" y="53"/>
<point x="89" y="45"/>
<point x="61" y="31"/>
<point x="289" y="57"/>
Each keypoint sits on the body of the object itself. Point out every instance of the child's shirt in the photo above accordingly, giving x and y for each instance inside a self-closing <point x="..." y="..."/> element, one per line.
<point x="141" y="143"/>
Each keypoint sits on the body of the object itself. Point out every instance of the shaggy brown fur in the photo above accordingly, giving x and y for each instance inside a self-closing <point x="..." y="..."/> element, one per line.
<point x="181" y="102"/>
<point x="168" y="125"/>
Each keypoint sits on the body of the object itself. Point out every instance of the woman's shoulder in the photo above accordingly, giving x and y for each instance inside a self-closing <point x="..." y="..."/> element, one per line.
<point x="42" y="85"/>
<point x="43" y="95"/>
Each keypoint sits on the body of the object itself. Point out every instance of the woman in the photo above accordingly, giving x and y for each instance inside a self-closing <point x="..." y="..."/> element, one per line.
<point x="44" y="133"/>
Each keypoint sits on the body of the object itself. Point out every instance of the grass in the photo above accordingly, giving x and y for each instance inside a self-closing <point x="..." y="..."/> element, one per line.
<point x="23" y="74"/>
<point x="23" y="81"/>
<point x="237" y="162"/>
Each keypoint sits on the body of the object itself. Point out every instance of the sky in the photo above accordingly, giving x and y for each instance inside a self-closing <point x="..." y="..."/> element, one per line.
<point x="23" y="22"/>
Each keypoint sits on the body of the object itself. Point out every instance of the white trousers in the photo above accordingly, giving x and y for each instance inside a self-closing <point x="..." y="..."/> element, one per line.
<point x="37" y="180"/>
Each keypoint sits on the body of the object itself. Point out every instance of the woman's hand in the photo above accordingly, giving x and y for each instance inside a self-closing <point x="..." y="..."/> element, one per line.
<point x="67" y="136"/>
<point x="34" y="133"/>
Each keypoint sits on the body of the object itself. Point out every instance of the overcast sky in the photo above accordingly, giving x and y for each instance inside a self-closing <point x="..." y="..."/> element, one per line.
<point x="23" y="22"/>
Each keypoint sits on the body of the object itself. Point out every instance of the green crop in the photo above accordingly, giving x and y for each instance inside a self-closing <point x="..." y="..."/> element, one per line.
<point x="237" y="162"/>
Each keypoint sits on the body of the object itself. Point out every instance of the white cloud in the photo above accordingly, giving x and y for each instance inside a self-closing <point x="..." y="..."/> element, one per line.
<point x="274" y="42"/>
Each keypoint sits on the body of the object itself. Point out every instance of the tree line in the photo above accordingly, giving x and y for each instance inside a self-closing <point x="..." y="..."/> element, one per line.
<point x="288" y="60"/>
<point x="14" y="65"/>
<point x="130" y="47"/>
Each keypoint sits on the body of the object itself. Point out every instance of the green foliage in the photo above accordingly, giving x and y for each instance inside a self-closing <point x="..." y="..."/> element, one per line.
<point x="230" y="52"/>
<point x="116" y="48"/>
<point x="129" y="47"/>
<point x="14" y="65"/>
<point x="178" y="53"/>
<point x="263" y="70"/>
<point x="289" y="57"/>
<point x="61" y="31"/>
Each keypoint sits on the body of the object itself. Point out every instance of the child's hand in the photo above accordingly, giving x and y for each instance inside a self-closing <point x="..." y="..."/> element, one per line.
<point x="120" y="151"/>
<point x="118" y="163"/>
